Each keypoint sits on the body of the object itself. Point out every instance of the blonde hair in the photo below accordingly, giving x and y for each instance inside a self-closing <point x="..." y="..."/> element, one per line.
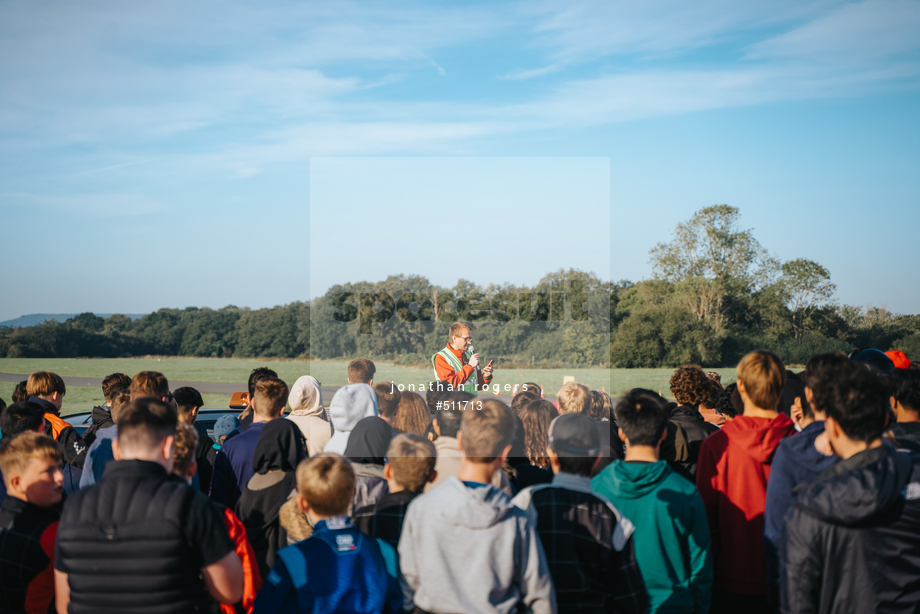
<point x="43" y="383"/>
<point x="486" y="432"/>
<point x="184" y="447"/>
<point x="574" y="398"/>
<point x="327" y="483"/>
<point x="456" y="329"/>
<point x="412" y="459"/>
<point x="18" y="452"/>
<point x="763" y="375"/>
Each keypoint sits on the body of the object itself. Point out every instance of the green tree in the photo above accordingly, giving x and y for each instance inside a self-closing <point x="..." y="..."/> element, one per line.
<point x="806" y="286"/>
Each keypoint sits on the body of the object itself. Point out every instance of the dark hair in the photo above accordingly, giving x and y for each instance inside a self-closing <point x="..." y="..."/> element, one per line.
<point x="413" y="415"/>
<point x="600" y="405"/>
<point x="689" y="385"/>
<point x="536" y="417"/>
<point x="822" y="370"/>
<point x="20" y="393"/>
<point x="257" y="374"/>
<point x="2" y="406"/>
<point x="187" y="398"/>
<point x="715" y="391"/>
<point x="904" y="386"/>
<point x="643" y="416"/>
<point x="729" y="402"/>
<point x="388" y="397"/>
<point x="146" y="422"/>
<point x="434" y="393"/>
<point x="451" y="412"/>
<point x="113" y="384"/>
<point x="524" y="397"/>
<point x="859" y="404"/>
<point x="21" y="417"/>
<point x="361" y="371"/>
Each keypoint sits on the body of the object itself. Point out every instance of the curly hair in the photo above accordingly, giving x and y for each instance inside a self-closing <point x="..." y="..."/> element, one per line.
<point x="413" y="415"/>
<point x="689" y="385"/>
<point x="537" y="416"/>
<point x="715" y="391"/>
<point x="729" y="403"/>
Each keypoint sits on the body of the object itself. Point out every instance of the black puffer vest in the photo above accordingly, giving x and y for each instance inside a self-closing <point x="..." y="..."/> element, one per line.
<point x="123" y="545"/>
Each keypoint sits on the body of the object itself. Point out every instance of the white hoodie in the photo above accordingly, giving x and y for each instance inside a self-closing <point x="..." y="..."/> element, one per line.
<point x="350" y="404"/>
<point x="306" y="402"/>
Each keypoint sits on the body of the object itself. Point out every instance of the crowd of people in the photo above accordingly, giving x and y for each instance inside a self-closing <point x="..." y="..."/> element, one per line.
<point x="791" y="492"/>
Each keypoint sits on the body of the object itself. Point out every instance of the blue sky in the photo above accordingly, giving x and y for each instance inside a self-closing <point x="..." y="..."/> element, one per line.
<point x="159" y="154"/>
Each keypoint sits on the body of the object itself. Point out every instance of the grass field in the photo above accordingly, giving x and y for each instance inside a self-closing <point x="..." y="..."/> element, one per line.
<point x="330" y="373"/>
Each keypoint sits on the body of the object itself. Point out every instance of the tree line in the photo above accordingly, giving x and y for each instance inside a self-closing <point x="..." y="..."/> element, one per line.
<point x="715" y="294"/>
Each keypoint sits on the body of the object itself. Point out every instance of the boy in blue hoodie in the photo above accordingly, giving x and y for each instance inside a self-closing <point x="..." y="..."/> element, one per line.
<point x="802" y="458"/>
<point x="672" y="533"/>
<point x="338" y="569"/>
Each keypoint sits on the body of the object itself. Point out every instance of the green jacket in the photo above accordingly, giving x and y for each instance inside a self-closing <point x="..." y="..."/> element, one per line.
<point x="671" y="536"/>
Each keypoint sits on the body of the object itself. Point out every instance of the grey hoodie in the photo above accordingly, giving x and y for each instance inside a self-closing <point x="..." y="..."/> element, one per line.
<point x="468" y="549"/>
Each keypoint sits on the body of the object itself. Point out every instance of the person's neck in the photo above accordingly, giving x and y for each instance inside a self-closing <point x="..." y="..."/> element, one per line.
<point x="388" y="419"/>
<point x="908" y="416"/>
<point x="394" y="487"/>
<point x="806" y="421"/>
<point x="648" y="454"/>
<point x="752" y="411"/>
<point x="257" y="418"/>
<point x="477" y="472"/>
<point x="150" y="458"/>
<point x="845" y="447"/>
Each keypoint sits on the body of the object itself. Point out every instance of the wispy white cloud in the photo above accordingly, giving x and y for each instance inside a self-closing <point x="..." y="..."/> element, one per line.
<point x="521" y="75"/>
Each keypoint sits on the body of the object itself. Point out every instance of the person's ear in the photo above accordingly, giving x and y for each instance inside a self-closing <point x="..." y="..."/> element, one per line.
<point x="505" y="452"/>
<point x="387" y="472"/>
<point x="167" y="446"/>
<point x="116" y="450"/>
<point x="741" y="388"/>
<point x="621" y="434"/>
<point x="810" y="397"/>
<point x="553" y="457"/>
<point x="433" y="476"/>
<point x="371" y="383"/>
<point x="460" y="440"/>
<point x="302" y="504"/>
<point x="831" y="428"/>
<point x="192" y="470"/>
<point x="16" y="483"/>
<point x="437" y="429"/>
<point x="664" y="434"/>
<point x="892" y="403"/>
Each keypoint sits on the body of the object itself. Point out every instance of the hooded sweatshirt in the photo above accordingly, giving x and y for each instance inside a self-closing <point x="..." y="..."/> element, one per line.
<point x="468" y="549"/>
<point x="279" y="450"/>
<point x="367" y="451"/>
<point x="350" y="404"/>
<point x="732" y="473"/>
<point x="852" y="539"/>
<point x="671" y="535"/>
<point x="306" y="402"/>
<point x="796" y="462"/>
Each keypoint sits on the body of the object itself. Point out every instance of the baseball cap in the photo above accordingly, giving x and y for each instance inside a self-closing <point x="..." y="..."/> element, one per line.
<point x="574" y="435"/>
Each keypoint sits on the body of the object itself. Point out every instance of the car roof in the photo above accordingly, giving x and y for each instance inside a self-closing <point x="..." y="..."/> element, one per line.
<point x="82" y="420"/>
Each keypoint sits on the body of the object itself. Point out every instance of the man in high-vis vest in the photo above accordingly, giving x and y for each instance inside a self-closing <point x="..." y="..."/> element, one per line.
<point x="457" y="365"/>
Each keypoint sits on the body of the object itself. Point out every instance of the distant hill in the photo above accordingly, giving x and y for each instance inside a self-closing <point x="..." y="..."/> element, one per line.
<point x="37" y="318"/>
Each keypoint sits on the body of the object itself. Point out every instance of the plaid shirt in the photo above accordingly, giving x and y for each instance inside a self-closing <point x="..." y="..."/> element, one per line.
<point x="384" y="519"/>
<point x="587" y="545"/>
<point x="27" y="534"/>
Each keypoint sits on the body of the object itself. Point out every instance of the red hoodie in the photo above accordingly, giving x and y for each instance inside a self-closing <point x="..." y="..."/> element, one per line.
<point x="732" y="473"/>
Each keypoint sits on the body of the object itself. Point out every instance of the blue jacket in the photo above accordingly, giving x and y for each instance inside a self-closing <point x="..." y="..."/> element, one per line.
<point x="796" y="462"/>
<point x="233" y="466"/>
<point x="98" y="456"/>
<point x="338" y="569"/>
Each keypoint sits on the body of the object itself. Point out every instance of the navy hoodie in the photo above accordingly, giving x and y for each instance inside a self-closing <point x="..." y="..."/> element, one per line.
<point x="795" y="463"/>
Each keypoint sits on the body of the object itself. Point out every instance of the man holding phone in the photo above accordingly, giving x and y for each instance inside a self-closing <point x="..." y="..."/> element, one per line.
<point x="458" y="365"/>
